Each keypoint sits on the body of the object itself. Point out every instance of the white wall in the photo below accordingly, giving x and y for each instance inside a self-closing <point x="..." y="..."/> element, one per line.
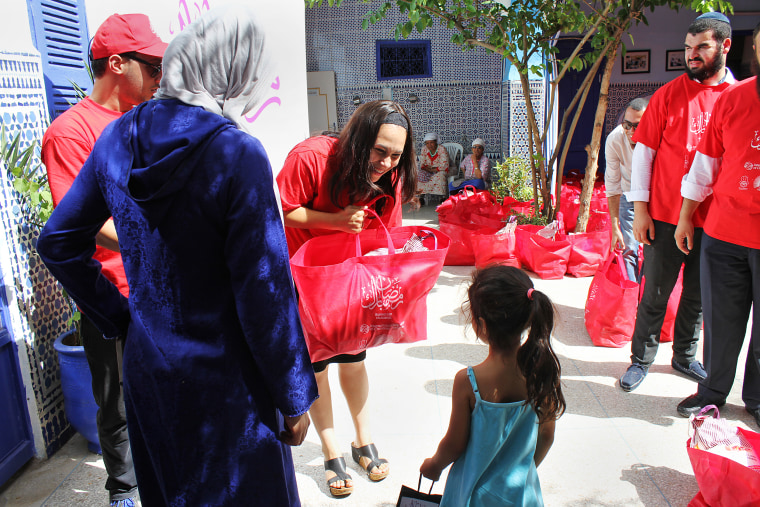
<point x="667" y="30"/>
<point x="15" y="35"/>
<point x="284" y="121"/>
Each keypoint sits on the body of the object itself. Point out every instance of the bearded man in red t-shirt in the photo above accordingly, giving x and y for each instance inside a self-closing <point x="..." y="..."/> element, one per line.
<point x="727" y="167"/>
<point x="667" y="139"/>
<point x="126" y="60"/>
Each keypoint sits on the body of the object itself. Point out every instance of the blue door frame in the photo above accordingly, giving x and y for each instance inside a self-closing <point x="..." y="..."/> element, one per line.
<point x="16" y="442"/>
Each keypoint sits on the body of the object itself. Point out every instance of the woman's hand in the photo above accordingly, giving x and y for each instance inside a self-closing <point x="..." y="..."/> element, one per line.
<point x="430" y="470"/>
<point x="429" y="169"/>
<point x="295" y="429"/>
<point x="350" y="219"/>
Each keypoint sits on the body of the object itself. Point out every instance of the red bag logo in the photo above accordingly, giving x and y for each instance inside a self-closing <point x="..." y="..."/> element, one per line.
<point x="382" y="293"/>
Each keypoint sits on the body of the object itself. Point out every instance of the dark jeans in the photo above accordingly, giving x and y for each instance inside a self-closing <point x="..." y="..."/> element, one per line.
<point x="730" y="285"/>
<point x="112" y="421"/>
<point x="662" y="262"/>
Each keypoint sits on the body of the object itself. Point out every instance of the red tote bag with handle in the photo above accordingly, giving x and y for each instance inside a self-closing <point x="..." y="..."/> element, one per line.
<point x="590" y="249"/>
<point x="349" y="301"/>
<point x="545" y="257"/>
<point x="497" y="248"/>
<point x="611" y="304"/>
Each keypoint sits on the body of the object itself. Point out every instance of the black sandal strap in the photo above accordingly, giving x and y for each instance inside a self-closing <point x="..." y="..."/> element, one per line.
<point x="338" y="467"/>
<point x="368" y="451"/>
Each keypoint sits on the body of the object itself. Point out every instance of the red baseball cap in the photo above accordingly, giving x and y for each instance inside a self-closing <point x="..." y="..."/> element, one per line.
<point x="125" y="33"/>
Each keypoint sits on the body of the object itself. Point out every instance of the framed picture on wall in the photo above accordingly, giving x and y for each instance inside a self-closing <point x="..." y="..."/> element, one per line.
<point x="675" y="59"/>
<point x="636" y="62"/>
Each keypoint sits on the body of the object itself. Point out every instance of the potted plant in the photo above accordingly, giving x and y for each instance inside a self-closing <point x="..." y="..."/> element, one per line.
<point x="29" y="180"/>
<point x="514" y="179"/>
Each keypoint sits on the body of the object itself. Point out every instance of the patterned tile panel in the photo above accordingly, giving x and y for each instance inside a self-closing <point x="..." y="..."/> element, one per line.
<point x="34" y="292"/>
<point x="620" y="94"/>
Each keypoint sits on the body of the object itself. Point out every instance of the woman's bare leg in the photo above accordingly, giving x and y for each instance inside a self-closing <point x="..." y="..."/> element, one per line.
<point x="322" y="415"/>
<point x="355" y="384"/>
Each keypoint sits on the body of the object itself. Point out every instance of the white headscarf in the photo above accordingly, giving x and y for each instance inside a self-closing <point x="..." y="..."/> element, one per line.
<point x="432" y="136"/>
<point x="219" y="62"/>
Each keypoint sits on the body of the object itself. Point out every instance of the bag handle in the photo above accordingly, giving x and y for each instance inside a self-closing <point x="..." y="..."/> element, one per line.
<point x="707" y="408"/>
<point x="620" y="263"/>
<point x="429" y="233"/>
<point x="419" y="485"/>
<point x="391" y="248"/>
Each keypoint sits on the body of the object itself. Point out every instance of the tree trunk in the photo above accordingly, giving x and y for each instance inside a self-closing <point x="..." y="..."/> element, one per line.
<point x="596" y="137"/>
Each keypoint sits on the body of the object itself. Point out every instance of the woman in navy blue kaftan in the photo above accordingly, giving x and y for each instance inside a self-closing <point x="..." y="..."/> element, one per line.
<point x="215" y="364"/>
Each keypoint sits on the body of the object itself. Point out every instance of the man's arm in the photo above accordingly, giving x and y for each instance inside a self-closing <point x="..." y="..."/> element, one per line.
<point x="612" y="177"/>
<point x="641" y="176"/>
<point x="695" y="187"/>
<point x="107" y="237"/>
<point x="63" y="158"/>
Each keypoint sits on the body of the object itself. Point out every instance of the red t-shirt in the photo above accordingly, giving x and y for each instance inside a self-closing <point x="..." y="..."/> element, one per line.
<point x="734" y="134"/>
<point x="305" y="182"/>
<point x="65" y="146"/>
<point x="673" y="125"/>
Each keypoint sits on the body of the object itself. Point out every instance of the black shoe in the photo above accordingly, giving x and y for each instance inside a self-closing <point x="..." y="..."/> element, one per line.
<point x="633" y="376"/>
<point x="693" y="370"/>
<point x="755" y="413"/>
<point x="694" y="403"/>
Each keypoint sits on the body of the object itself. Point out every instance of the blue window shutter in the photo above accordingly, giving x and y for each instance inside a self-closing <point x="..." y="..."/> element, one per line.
<point x="59" y="31"/>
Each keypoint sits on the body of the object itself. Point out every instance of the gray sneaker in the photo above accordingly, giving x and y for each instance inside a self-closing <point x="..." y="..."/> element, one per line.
<point x="633" y="376"/>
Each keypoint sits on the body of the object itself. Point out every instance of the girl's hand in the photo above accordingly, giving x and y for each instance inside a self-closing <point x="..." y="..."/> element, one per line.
<point x="350" y="219"/>
<point x="430" y="470"/>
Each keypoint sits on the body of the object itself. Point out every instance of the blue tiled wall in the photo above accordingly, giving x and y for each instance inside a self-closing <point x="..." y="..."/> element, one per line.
<point x="462" y="98"/>
<point x="38" y="301"/>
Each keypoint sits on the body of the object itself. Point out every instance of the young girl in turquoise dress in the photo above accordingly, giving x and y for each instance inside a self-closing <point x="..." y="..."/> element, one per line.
<point x="504" y="409"/>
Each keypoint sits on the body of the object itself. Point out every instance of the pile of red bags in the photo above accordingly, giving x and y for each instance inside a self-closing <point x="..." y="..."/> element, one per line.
<point x="477" y="226"/>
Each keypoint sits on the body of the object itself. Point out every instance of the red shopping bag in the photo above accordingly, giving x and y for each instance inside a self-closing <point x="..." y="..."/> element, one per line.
<point x="545" y="257"/>
<point x="459" y="207"/>
<point x="722" y="481"/>
<point x="589" y="251"/>
<point x="460" y="251"/>
<point x="496" y="248"/>
<point x="465" y="215"/>
<point x="349" y="302"/>
<point x="611" y="304"/>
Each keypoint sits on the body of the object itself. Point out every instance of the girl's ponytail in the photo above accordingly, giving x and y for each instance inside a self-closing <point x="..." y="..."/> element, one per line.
<point x="537" y="361"/>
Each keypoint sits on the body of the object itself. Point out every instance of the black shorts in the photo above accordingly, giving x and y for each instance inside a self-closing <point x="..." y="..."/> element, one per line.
<point x="342" y="358"/>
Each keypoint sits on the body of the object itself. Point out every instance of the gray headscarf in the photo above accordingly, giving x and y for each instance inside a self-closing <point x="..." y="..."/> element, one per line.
<point x="219" y="62"/>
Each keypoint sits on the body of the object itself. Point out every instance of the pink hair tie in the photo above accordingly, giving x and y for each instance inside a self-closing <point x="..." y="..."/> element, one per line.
<point x="530" y="293"/>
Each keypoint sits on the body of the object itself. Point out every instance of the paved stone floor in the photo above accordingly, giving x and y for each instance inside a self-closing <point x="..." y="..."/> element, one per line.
<point x="611" y="448"/>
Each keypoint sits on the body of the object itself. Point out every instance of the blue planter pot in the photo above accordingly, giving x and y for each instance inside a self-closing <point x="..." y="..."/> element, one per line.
<point x="76" y="382"/>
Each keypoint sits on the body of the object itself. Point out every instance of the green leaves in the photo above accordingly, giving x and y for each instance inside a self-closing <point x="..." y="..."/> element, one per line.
<point x="28" y="177"/>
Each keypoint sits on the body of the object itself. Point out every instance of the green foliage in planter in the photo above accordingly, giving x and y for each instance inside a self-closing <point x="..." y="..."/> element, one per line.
<point x="523" y="219"/>
<point x="514" y="180"/>
<point x="29" y="178"/>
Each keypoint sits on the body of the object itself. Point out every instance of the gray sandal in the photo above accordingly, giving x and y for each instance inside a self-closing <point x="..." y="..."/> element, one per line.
<point x="338" y="467"/>
<point x="369" y="451"/>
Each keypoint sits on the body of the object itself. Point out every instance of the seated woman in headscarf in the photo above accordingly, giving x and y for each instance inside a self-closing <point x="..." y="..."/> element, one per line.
<point x="476" y="168"/>
<point x="217" y="385"/>
<point x="434" y="166"/>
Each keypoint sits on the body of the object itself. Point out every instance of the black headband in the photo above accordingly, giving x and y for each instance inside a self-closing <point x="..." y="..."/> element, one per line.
<point x="396" y="118"/>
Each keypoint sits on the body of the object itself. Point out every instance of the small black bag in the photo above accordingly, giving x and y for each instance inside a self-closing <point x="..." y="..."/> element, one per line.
<point x="411" y="498"/>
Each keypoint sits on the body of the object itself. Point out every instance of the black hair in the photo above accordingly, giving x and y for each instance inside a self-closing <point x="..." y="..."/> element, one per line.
<point x="99" y="67"/>
<point x="351" y="179"/>
<point x="502" y="300"/>
<point x="720" y="29"/>
<point x="755" y="32"/>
